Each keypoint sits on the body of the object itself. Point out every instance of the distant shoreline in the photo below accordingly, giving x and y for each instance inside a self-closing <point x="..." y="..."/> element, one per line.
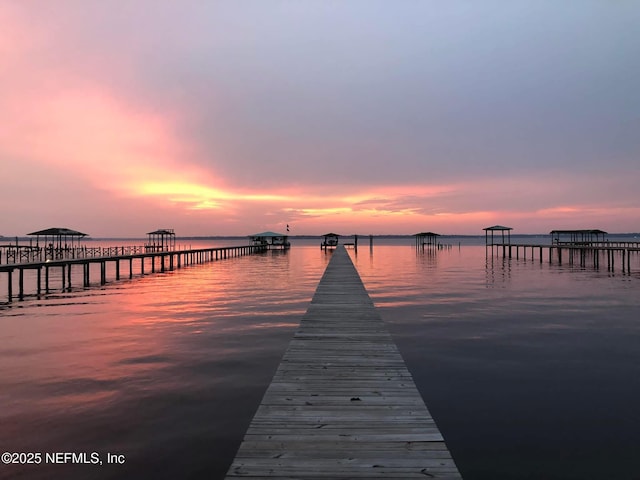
<point x="314" y="237"/>
<point x="10" y="239"/>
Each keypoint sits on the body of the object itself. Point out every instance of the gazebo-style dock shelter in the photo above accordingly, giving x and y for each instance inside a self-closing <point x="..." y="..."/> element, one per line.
<point x="427" y="239"/>
<point x="59" y="238"/>
<point x="58" y="242"/>
<point x="497" y="228"/>
<point x="270" y="240"/>
<point x="577" y="237"/>
<point x="330" y="240"/>
<point x="161" y="240"/>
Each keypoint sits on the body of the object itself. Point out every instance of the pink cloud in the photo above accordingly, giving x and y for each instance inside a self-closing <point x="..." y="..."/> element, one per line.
<point x="85" y="118"/>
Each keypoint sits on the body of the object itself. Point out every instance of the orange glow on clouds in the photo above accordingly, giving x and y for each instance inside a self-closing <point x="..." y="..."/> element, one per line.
<point x="193" y="196"/>
<point x="133" y="153"/>
<point x="560" y="210"/>
<point x="309" y="203"/>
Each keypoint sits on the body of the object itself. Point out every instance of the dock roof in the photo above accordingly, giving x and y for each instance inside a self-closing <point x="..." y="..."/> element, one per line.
<point x="593" y="231"/>
<point x="498" y="228"/>
<point x="268" y="234"/>
<point x="426" y="234"/>
<point x="58" y="231"/>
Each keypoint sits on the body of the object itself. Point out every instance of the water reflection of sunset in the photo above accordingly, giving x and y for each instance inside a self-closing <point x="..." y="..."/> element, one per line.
<point x="77" y="360"/>
<point x="183" y="358"/>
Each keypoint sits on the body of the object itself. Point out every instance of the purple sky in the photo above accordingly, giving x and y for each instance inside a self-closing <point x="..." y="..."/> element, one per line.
<point x="231" y="117"/>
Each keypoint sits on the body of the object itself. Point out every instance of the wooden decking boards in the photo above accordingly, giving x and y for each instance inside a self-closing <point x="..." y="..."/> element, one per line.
<point x="342" y="403"/>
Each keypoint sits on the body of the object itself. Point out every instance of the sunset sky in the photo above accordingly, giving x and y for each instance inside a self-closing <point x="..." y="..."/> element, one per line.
<point x="357" y="116"/>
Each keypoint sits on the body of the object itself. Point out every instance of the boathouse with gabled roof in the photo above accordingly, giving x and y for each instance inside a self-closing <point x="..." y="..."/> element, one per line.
<point x="577" y="237"/>
<point x="270" y="240"/>
<point x="161" y="240"/>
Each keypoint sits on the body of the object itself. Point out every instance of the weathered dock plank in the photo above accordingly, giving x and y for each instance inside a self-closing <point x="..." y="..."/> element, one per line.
<point x="342" y="403"/>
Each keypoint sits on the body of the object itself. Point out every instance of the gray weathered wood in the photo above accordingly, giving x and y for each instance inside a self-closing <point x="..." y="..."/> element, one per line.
<point x="342" y="403"/>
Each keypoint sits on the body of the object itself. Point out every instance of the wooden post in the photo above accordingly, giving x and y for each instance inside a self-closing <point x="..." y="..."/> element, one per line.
<point x="39" y="287"/>
<point x="629" y="262"/>
<point x="612" y="260"/>
<point x="21" y="284"/>
<point x="10" y="285"/>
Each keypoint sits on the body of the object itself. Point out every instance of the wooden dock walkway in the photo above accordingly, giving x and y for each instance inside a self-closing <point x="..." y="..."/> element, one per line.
<point x="342" y="403"/>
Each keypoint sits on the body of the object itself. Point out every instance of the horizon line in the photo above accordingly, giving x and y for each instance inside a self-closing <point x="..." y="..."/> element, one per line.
<point x="379" y="235"/>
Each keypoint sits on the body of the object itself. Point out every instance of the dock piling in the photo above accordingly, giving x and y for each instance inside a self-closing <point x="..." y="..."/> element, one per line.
<point x="167" y="259"/>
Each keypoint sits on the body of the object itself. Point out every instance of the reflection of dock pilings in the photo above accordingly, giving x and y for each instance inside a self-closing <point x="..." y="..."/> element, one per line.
<point x="498" y="271"/>
<point x="584" y="255"/>
<point x="155" y="261"/>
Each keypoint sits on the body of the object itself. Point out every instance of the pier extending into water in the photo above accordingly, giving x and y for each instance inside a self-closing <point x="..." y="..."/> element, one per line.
<point x="342" y="403"/>
<point x="592" y="254"/>
<point x="149" y="262"/>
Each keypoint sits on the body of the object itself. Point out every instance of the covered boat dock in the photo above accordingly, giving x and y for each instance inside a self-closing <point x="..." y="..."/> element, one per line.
<point x="270" y="240"/>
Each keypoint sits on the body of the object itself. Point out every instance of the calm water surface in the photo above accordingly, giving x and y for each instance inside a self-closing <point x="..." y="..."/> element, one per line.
<point x="531" y="370"/>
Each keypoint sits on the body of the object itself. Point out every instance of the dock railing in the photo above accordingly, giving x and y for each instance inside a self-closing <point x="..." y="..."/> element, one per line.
<point x="17" y="254"/>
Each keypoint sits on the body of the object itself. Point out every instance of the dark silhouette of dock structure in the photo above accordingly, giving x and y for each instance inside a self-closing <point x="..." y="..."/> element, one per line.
<point x="146" y="260"/>
<point x="160" y="240"/>
<point x="61" y="250"/>
<point x="586" y="247"/>
<point x="342" y="403"/>
<point x="330" y="240"/>
<point x="271" y="240"/>
<point x="429" y="241"/>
